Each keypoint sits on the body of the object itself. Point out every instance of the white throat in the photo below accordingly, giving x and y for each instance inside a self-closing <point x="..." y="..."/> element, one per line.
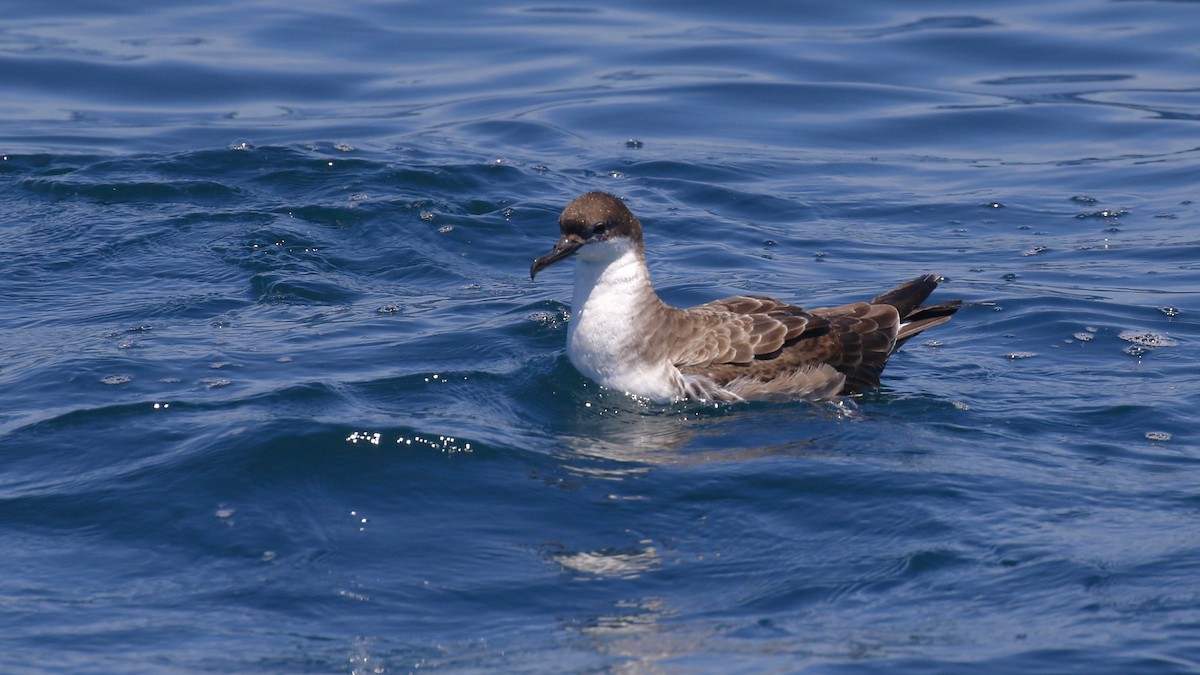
<point x="611" y="335"/>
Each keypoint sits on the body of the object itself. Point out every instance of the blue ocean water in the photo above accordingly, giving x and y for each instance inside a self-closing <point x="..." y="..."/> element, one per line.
<point x="277" y="394"/>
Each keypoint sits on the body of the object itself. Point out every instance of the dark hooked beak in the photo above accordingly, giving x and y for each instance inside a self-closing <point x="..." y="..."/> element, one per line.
<point x="563" y="249"/>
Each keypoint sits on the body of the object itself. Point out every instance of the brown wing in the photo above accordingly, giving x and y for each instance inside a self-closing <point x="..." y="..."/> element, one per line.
<point x="856" y="342"/>
<point x="820" y="352"/>
<point x="860" y="340"/>
<point x="739" y="330"/>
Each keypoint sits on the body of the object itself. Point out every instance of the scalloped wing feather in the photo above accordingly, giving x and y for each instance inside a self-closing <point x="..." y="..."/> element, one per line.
<point x="738" y="330"/>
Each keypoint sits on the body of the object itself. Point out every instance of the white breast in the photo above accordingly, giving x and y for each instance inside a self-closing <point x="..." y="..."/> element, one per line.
<point x="612" y="312"/>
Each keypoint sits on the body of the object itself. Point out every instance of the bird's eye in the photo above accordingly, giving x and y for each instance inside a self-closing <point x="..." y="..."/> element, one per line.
<point x="599" y="228"/>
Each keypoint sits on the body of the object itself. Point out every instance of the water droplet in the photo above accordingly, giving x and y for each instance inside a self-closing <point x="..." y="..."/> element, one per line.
<point x="1102" y="214"/>
<point x="1147" y="338"/>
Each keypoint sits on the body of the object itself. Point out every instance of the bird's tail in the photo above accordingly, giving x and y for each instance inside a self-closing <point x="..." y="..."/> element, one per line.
<point x="915" y="318"/>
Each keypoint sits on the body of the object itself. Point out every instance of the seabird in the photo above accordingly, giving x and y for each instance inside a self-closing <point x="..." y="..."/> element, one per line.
<point x="624" y="337"/>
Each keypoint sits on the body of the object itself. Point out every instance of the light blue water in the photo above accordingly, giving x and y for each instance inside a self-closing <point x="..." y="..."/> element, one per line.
<point x="277" y="395"/>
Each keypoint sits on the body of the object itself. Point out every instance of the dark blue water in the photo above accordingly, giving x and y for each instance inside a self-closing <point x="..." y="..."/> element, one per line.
<point x="277" y="395"/>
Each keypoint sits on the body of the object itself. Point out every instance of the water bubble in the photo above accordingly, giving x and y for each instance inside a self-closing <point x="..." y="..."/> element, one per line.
<point x="549" y="319"/>
<point x="633" y="144"/>
<point x="1033" y="251"/>
<point x="214" y="382"/>
<point x="1136" y="350"/>
<point x="1013" y="356"/>
<point x="1158" y="435"/>
<point x="445" y="229"/>
<point x="1147" y="338"/>
<point x="116" y="379"/>
<point x="388" y="309"/>
<point x="1084" y="199"/>
<point x="1084" y="336"/>
<point x="446" y="444"/>
<point x="1102" y="214"/>
<point x="343" y="147"/>
<point x="1169" y="311"/>
<point x="992" y="205"/>
<point x="427" y="216"/>
<point x="364" y="436"/>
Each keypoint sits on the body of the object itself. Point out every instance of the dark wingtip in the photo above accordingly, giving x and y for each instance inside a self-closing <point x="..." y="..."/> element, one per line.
<point x="908" y="296"/>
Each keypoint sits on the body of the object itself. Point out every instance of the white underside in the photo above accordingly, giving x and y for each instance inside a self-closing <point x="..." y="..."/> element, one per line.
<point x="606" y="337"/>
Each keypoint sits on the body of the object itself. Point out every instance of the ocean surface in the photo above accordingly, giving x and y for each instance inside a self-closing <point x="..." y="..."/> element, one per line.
<point x="277" y="394"/>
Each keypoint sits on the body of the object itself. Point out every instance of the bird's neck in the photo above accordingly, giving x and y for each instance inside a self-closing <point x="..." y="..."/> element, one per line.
<point x="612" y="284"/>
<point x="615" y="334"/>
